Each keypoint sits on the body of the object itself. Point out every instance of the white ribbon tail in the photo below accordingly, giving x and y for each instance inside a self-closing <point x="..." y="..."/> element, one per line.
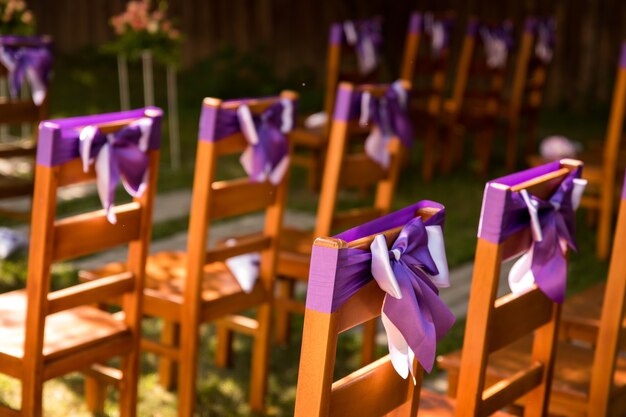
<point x="247" y="124"/>
<point x="37" y="86"/>
<point x="246" y="162"/>
<point x="400" y="353"/>
<point x="350" y="32"/>
<point x="577" y="192"/>
<point x="535" y="225"/>
<point x="401" y="92"/>
<point x="85" y="140"/>
<point x="286" y="116"/>
<point x="364" y="118"/>
<point x="376" y="148"/>
<point x="381" y="267"/>
<point x="316" y="120"/>
<point x="6" y="60"/>
<point x="521" y="278"/>
<point x="437" y="249"/>
<point x="279" y="171"/>
<point x="245" y="269"/>
<point x="103" y="176"/>
<point x="368" y="60"/>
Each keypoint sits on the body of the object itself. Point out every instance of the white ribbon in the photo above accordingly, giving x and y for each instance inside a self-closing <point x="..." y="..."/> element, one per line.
<point x="521" y="278"/>
<point x="38" y="88"/>
<point x="495" y="48"/>
<point x="367" y="56"/>
<point x="245" y="268"/>
<point x="316" y="120"/>
<point x="103" y="162"/>
<point x="400" y="352"/>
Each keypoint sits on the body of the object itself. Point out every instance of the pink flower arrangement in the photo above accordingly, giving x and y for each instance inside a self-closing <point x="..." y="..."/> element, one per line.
<point x="139" y="28"/>
<point x="15" y="18"/>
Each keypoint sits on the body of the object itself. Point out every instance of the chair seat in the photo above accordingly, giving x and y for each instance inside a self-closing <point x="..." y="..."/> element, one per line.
<point x="572" y="373"/>
<point x="66" y="332"/>
<point x="437" y="405"/>
<point x="165" y="275"/>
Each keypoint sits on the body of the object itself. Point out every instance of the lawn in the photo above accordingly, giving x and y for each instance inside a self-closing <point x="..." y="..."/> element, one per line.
<point x="87" y="83"/>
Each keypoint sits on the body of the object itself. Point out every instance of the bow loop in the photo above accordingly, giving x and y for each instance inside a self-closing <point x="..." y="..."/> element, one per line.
<point x="267" y="154"/>
<point x="117" y="156"/>
<point x="32" y="63"/>
<point x="365" y="36"/>
<point x="552" y="224"/>
<point x="498" y="41"/>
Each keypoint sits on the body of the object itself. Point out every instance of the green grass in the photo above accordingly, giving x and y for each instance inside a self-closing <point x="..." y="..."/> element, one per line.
<point x="87" y="83"/>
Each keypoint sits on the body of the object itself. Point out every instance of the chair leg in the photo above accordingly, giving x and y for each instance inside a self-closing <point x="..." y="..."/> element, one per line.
<point x="430" y="152"/>
<point x="368" y="348"/>
<point x="170" y="334"/>
<point x="188" y="369"/>
<point x="95" y="394"/>
<point x="129" y="385"/>
<point x="223" y="349"/>
<point x="282" y="322"/>
<point x="260" y="359"/>
<point x="605" y="215"/>
<point x="32" y="396"/>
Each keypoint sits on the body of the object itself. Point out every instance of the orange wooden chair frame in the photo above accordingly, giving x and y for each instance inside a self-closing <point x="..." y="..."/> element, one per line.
<point x="472" y="108"/>
<point x="427" y="100"/>
<point x="494" y="323"/>
<point x="82" y="335"/>
<point x="343" y="169"/>
<point x="315" y="141"/>
<point x="13" y="112"/>
<point x="373" y="390"/>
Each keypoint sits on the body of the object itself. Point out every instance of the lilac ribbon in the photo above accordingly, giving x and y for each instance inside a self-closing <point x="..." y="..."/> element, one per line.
<point x="498" y="41"/>
<point x="389" y="117"/>
<point x="27" y="59"/>
<point x="267" y="156"/>
<point x="545" y="31"/>
<point x="412" y="270"/>
<point x="552" y="226"/>
<point x="365" y="36"/>
<point x="120" y="155"/>
<point x="440" y="32"/>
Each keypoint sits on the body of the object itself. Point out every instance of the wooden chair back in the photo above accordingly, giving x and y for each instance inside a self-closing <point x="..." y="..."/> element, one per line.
<point x="474" y="79"/>
<point x="15" y="112"/>
<point x="495" y="323"/>
<point x="345" y="168"/>
<point x="219" y="199"/>
<point x="371" y="391"/>
<point x="54" y="240"/>
<point x="341" y="66"/>
<point x="422" y="66"/>
<point x="611" y="332"/>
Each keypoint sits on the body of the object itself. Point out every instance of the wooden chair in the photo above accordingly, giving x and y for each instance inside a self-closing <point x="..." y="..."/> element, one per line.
<point x="188" y="289"/>
<point x="503" y="346"/>
<point x="602" y="168"/>
<point x="375" y="389"/>
<point x="589" y="377"/>
<point x="45" y="334"/>
<point x="529" y="81"/>
<point x="15" y="112"/>
<point x="344" y="169"/>
<point x="340" y="66"/>
<point x="425" y="65"/>
<point x="475" y="102"/>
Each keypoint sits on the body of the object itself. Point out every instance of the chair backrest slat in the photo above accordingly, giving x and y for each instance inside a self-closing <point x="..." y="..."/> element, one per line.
<point x="73" y="236"/>
<point x="228" y="197"/>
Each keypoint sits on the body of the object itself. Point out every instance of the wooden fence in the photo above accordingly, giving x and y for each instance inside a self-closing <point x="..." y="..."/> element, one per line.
<point x="294" y="32"/>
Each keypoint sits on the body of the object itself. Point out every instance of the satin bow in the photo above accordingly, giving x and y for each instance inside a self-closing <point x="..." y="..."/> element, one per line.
<point x="544" y="48"/>
<point x="120" y="155"/>
<point x="552" y="225"/>
<point x="439" y="31"/>
<point x="497" y="42"/>
<point x="365" y="36"/>
<point x="267" y="154"/>
<point x="389" y="116"/>
<point x="32" y="63"/>
<point x="410" y="273"/>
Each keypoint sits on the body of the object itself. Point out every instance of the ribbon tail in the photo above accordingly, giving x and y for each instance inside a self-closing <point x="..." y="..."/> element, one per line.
<point x="37" y="85"/>
<point x="279" y="171"/>
<point x="437" y="249"/>
<point x="245" y="269"/>
<point x="399" y="351"/>
<point x="376" y="147"/>
<point x="107" y="177"/>
<point x="521" y="278"/>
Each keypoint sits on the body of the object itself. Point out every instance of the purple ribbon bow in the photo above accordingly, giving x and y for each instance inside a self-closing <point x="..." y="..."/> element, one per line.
<point x="439" y="31"/>
<point x="545" y="29"/>
<point x="498" y="41"/>
<point x="33" y="63"/>
<point x="414" y="316"/>
<point x="390" y="118"/>
<point x="120" y="155"/>
<point x="365" y="36"/>
<point x="553" y="229"/>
